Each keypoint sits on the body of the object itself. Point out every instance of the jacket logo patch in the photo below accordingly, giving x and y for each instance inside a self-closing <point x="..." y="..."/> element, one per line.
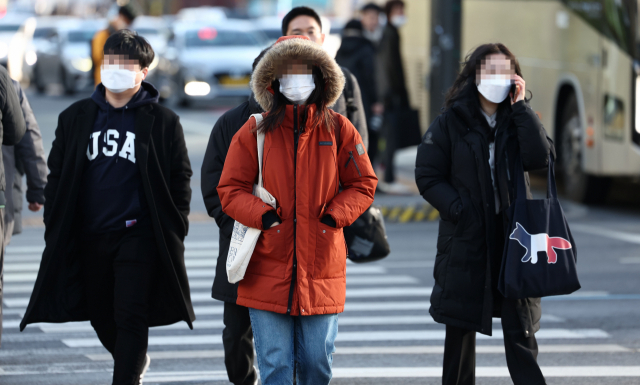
<point x="360" y="148"/>
<point x="326" y="143"/>
<point x="427" y="138"/>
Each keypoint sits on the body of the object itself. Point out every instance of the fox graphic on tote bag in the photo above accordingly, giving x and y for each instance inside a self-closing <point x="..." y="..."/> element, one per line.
<point x="540" y="255"/>
<point x="245" y="238"/>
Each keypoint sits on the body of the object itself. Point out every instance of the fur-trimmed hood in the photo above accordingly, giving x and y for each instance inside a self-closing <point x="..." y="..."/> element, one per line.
<point x="301" y="48"/>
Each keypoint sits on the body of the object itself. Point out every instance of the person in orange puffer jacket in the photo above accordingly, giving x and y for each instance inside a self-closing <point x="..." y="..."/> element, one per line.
<point x="295" y="283"/>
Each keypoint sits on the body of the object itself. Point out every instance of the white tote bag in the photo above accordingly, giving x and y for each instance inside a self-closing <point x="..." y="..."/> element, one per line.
<point x="244" y="238"/>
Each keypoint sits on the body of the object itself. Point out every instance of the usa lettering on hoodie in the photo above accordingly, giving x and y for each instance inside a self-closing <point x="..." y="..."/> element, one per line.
<point x="112" y="196"/>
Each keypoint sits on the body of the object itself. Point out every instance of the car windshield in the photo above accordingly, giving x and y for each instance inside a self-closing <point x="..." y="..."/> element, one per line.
<point x="273" y="33"/>
<point x="211" y="37"/>
<point x="81" y="36"/>
<point x="41" y="33"/>
<point x="147" y="31"/>
<point x="9" y="27"/>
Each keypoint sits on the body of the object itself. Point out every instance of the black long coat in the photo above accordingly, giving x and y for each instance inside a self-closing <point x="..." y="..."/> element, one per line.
<point x="161" y="154"/>
<point x="452" y="168"/>
<point x="219" y="141"/>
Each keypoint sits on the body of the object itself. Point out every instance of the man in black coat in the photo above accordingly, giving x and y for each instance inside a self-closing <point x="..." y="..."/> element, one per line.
<point x="116" y="210"/>
<point x="12" y="130"/>
<point x="24" y="158"/>
<point x="358" y="55"/>
<point x="237" y="336"/>
<point x="392" y="87"/>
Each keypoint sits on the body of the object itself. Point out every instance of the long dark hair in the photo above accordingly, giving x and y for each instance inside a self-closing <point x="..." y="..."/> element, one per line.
<point x="321" y="117"/>
<point x="465" y="85"/>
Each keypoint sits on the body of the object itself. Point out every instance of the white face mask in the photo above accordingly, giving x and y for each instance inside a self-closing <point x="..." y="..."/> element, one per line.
<point x="117" y="79"/>
<point x="398" y="20"/>
<point x="494" y="88"/>
<point x="297" y="88"/>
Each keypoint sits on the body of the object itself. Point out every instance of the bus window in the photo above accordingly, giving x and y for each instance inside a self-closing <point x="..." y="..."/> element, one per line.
<point x="611" y="18"/>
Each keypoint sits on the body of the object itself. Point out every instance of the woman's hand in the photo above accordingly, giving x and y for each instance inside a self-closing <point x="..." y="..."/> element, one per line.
<point x="519" y="82"/>
<point x="274" y="224"/>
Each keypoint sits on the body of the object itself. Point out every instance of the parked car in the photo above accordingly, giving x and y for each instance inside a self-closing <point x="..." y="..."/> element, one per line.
<point x="76" y="69"/>
<point x="214" y="59"/>
<point x="16" y="30"/>
<point x="42" y="56"/>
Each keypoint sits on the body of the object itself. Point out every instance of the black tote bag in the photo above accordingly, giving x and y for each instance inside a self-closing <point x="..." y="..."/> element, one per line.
<point x="539" y="258"/>
<point x="367" y="237"/>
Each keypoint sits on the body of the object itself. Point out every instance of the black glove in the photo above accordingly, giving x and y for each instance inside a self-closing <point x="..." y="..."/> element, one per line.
<point x="269" y="218"/>
<point x="329" y="221"/>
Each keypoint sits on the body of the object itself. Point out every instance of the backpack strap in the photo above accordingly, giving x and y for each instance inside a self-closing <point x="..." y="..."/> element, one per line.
<point x="260" y="141"/>
<point x="349" y="93"/>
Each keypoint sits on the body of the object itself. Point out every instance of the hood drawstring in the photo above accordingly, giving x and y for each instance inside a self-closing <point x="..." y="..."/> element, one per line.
<point x="121" y="138"/>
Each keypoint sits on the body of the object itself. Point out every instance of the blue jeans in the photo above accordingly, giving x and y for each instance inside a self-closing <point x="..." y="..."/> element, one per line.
<point x="283" y="341"/>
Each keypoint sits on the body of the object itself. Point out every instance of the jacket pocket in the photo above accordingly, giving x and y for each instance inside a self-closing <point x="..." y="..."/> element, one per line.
<point x="271" y="255"/>
<point x="331" y="254"/>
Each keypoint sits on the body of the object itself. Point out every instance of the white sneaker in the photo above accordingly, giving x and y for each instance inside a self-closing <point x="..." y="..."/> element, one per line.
<point x="147" y="362"/>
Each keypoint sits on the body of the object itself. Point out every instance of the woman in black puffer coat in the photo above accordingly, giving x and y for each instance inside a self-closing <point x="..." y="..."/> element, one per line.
<point x="464" y="168"/>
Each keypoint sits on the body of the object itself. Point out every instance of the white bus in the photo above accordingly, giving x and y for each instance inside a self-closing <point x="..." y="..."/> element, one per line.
<point x="579" y="60"/>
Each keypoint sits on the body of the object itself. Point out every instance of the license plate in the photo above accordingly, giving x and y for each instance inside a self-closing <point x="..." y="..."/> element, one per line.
<point x="238" y="82"/>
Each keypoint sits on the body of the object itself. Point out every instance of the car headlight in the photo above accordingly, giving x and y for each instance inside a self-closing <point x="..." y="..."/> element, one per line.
<point x="31" y="58"/>
<point x="83" y="64"/>
<point x="197" y="88"/>
<point x="4" y="50"/>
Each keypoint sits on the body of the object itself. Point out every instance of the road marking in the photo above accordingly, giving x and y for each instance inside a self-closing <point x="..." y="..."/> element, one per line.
<point x="618" y="235"/>
<point x="18" y="288"/>
<point x="383" y="280"/>
<point x="630" y="260"/>
<point x="24" y="249"/>
<point x="20" y="277"/>
<point x="201" y="244"/>
<point x="360" y="336"/>
<point x="487" y="371"/>
<point x="80" y="327"/>
<point x="383" y="350"/>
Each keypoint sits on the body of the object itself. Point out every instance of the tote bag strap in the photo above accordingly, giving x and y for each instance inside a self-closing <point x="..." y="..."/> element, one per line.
<point x="260" y="141"/>
<point x="552" y="190"/>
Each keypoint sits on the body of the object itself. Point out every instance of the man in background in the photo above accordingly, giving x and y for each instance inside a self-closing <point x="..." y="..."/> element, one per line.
<point x="358" y="55"/>
<point x="124" y="19"/>
<point x="370" y="18"/>
<point x="392" y="88"/>
<point x="24" y="158"/>
<point x="304" y="21"/>
<point x="12" y="129"/>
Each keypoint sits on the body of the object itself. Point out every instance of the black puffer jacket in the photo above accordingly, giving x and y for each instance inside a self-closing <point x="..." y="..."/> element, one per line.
<point x="359" y="55"/>
<point x="219" y="141"/>
<point x="452" y="168"/>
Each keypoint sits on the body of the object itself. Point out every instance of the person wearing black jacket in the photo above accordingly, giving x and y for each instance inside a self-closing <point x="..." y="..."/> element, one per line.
<point x="116" y="213"/>
<point x="464" y="168"/>
<point x="24" y="158"/>
<point x="358" y="55"/>
<point x="12" y="129"/>
<point x="237" y="335"/>
<point x="392" y="87"/>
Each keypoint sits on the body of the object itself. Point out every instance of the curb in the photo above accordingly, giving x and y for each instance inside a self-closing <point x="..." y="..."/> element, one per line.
<point x="405" y="214"/>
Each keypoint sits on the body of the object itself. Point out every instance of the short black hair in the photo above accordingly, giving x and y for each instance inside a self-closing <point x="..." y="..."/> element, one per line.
<point x="299" y="11"/>
<point x="258" y="58"/>
<point x="126" y="42"/>
<point x="371" y="7"/>
<point x="391" y="4"/>
<point x="128" y="12"/>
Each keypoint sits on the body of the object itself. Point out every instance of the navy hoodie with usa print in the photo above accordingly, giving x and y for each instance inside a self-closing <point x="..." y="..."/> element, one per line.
<point x="112" y="197"/>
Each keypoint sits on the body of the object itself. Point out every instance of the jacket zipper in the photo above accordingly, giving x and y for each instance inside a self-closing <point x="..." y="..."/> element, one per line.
<point x="506" y="155"/>
<point x="294" y="275"/>
<point x="351" y="158"/>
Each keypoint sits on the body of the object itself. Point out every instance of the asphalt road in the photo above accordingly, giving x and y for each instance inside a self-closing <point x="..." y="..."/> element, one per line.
<point x="386" y="334"/>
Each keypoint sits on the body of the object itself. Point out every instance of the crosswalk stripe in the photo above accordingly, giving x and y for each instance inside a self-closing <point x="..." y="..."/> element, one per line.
<point x="487" y="371"/>
<point x="80" y="327"/>
<point x="359" y="336"/>
<point x="351" y="293"/>
<point x="384" y="350"/>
